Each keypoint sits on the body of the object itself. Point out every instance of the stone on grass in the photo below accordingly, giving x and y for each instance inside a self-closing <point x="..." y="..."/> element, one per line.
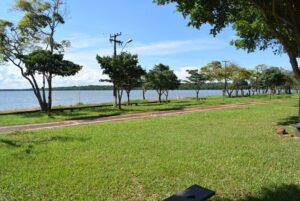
<point x="281" y="131"/>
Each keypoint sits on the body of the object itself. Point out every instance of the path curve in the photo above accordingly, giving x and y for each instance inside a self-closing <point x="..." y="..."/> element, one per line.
<point x="123" y="117"/>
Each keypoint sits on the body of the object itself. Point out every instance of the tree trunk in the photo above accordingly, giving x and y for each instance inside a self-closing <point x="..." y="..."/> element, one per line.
<point x="159" y="95"/>
<point x="237" y="92"/>
<point x="225" y="85"/>
<point x="39" y="98"/>
<point x="144" y="94"/>
<point x="119" y="93"/>
<point x="167" y="95"/>
<point x="128" y="97"/>
<point x="298" y="110"/>
<point x="37" y="92"/>
<point x="44" y="90"/>
<point x="280" y="91"/>
<point x="229" y="93"/>
<point x="49" y="93"/>
<point x="197" y="95"/>
<point x="115" y="103"/>
<point x="295" y="66"/>
<point x="270" y="92"/>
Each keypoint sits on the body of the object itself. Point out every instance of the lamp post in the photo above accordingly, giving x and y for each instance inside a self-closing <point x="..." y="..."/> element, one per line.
<point x="225" y="78"/>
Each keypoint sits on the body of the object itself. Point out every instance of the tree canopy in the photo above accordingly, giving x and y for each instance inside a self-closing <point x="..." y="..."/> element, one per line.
<point x="30" y="45"/>
<point x="46" y="63"/>
<point x="123" y="70"/>
<point x="258" y="24"/>
<point x="162" y="79"/>
<point x="196" y="80"/>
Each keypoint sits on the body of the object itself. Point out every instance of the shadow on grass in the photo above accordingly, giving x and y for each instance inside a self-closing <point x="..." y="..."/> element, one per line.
<point x="9" y="143"/>
<point x="168" y="109"/>
<point x="75" y="115"/>
<point x="285" y="192"/>
<point x="96" y="116"/>
<point x="288" y="121"/>
<point x="20" y="143"/>
<point x="54" y="115"/>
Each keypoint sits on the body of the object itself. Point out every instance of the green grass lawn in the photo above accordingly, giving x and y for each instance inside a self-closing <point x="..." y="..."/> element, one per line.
<point x="109" y="111"/>
<point x="234" y="152"/>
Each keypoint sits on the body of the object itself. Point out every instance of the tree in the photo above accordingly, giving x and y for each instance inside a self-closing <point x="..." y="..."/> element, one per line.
<point x="273" y="77"/>
<point x="258" y="24"/>
<point x="124" y="71"/>
<point x="212" y="71"/>
<point x="111" y="67"/>
<point x="36" y="31"/>
<point x="240" y="84"/>
<point x="215" y="71"/>
<point x="244" y="78"/>
<point x="145" y="85"/>
<point x="228" y="73"/>
<point x="196" y="80"/>
<point x="289" y="81"/>
<point x="256" y="83"/>
<point x="162" y="79"/>
<point x="132" y="74"/>
<point x="49" y="65"/>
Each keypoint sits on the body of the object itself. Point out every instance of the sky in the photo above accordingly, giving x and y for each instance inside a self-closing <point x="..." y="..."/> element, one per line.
<point x="159" y="34"/>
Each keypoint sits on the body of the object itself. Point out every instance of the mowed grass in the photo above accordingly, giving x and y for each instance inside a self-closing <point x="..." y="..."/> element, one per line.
<point x="233" y="151"/>
<point x="27" y="118"/>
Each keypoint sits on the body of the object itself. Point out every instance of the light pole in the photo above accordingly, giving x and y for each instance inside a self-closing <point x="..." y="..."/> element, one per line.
<point x="114" y="39"/>
<point x="225" y="78"/>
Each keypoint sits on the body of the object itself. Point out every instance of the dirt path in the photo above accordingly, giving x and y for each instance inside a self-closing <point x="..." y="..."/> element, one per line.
<point x="87" y="121"/>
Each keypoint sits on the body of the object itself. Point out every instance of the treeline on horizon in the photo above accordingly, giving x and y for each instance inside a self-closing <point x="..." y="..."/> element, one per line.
<point x="183" y="86"/>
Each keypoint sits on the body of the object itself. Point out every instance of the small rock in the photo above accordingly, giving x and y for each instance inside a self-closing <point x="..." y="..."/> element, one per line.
<point x="281" y="131"/>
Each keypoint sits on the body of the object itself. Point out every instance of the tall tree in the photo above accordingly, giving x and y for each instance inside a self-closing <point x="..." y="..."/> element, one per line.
<point x="124" y="71"/>
<point x="196" y="80"/>
<point x="228" y="73"/>
<point x="273" y="78"/>
<point x="213" y="71"/>
<point x="259" y="24"/>
<point x="216" y="72"/>
<point x="133" y="73"/>
<point x="162" y="79"/>
<point x="145" y="85"/>
<point x="289" y="81"/>
<point x="35" y="31"/>
<point x="244" y="76"/>
<point x="111" y="67"/>
<point x="256" y="82"/>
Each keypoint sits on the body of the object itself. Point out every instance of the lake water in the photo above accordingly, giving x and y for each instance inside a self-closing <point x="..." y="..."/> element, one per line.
<point x="10" y="100"/>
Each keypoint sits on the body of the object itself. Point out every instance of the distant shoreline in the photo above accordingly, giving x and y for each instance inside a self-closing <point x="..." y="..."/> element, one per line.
<point x="184" y="86"/>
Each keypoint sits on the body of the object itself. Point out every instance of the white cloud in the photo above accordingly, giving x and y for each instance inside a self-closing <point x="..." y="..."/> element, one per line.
<point x="176" y="47"/>
<point x="87" y="76"/>
<point x="182" y="72"/>
<point x="10" y="77"/>
<point x="81" y="40"/>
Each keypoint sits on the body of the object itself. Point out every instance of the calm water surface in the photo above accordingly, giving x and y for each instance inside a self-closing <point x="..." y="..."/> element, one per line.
<point x="10" y="100"/>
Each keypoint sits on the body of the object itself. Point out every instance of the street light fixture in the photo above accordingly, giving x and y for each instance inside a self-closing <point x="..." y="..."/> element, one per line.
<point x="123" y="46"/>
